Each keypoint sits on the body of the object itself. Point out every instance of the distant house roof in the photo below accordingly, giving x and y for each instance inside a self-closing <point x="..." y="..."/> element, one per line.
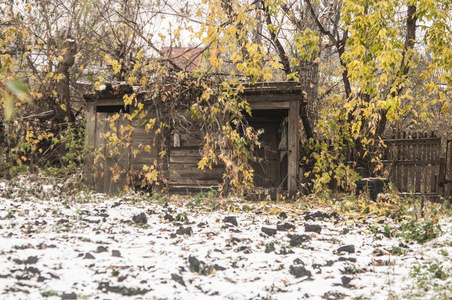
<point x="185" y="57"/>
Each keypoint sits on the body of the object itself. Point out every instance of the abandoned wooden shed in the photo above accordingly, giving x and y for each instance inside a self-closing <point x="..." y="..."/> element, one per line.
<point x="112" y="165"/>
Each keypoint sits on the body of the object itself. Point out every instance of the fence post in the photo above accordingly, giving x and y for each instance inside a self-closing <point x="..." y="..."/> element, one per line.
<point x="293" y="156"/>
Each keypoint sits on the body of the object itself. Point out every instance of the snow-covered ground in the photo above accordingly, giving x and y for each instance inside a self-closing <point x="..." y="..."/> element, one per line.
<point x="62" y="245"/>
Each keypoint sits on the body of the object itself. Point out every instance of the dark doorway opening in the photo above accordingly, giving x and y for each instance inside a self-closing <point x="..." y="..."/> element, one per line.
<point x="113" y="109"/>
<point x="270" y="167"/>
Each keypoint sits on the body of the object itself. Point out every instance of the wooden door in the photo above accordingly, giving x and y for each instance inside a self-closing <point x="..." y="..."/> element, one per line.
<point x="111" y="153"/>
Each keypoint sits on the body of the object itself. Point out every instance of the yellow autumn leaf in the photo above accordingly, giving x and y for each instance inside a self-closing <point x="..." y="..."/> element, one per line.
<point x="132" y="80"/>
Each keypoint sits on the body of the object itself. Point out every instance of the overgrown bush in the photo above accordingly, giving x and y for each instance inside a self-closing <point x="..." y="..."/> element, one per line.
<point x="36" y="146"/>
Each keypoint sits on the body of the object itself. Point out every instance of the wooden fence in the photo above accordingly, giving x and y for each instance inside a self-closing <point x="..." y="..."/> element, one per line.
<point x="447" y="178"/>
<point x="414" y="164"/>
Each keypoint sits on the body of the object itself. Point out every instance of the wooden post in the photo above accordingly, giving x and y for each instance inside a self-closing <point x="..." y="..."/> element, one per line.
<point x="292" y="170"/>
<point x="88" y="172"/>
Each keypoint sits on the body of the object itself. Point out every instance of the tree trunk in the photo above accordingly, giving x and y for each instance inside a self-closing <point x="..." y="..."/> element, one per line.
<point x="410" y="40"/>
<point x="63" y="110"/>
<point x="309" y="79"/>
<point x="276" y="42"/>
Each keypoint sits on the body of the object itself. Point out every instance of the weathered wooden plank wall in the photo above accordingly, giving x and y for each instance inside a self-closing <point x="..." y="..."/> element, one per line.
<point x="185" y="147"/>
<point x="182" y="146"/>
<point x="105" y="159"/>
<point x="145" y="144"/>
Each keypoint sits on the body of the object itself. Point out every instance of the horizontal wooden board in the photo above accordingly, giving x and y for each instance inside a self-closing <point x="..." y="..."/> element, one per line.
<point x="413" y="162"/>
<point x="191" y="139"/>
<point x="184" y="159"/>
<point x="144" y="160"/>
<point x="263" y="105"/>
<point x="184" y="189"/>
<point x="272" y="97"/>
<point x="194" y="171"/>
<point x="273" y="87"/>
<point x="141" y="146"/>
<point x="194" y="151"/>
<point x="426" y="141"/>
<point x="190" y="160"/>
<point x="138" y="167"/>
<point x="143" y="135"/>
<point x="192" y="182"/>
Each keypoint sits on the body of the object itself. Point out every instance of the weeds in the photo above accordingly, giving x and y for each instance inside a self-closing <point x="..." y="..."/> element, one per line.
<point x="49" y="293"/>
<point x="412" y="230"/>
<point x="420" y="232"/>
<point x="432" y="276"/>
<point x="386" y="230"/>
<point x="209" y="194"/>
<point x="344" y="231"/>
<point x="205" y="199"/>
<point x="396" y="250"/>
<point x="270" y="247"/>
<point x="283" y="249"/>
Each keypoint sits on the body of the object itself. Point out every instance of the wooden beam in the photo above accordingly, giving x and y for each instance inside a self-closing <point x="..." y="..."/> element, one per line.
<point x="292" y="170"/>
<point x="90" y="139"/>
<point x="272" y="87"/>
<point x="262" y="105"/>
<point x="272" y="97"/>
<point x="43" y="115"/>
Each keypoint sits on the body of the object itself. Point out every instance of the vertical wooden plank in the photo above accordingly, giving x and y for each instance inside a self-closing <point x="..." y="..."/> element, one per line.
<point x="399" y="173"/>
<point x="123" y="158"/>
<point x="109" y="160"/>
<point x="113" y="159"/>
<point x="406" y="168"/>
<point x="409" y="167"/>
<point x="428" y="166"/>
<point x="448" y="171"/>
<point x="88" y="171"/>
<point x="419" y="156"/>
<point x="449" y="160"/>
<point x="428" y="159"/>
<point x="435" y="157"/>
<point x="412" y="174"/>
<point x="394" y="156"/>
<point x="163" y="162"/>
<point x="292" y="172"/>
<point x="398" y="170"/>
<point x="424" y="171"/>
<point x="101" y="152"/>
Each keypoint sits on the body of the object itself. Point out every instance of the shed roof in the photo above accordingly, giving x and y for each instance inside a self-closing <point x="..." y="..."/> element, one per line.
<point x="268" y="95"/>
